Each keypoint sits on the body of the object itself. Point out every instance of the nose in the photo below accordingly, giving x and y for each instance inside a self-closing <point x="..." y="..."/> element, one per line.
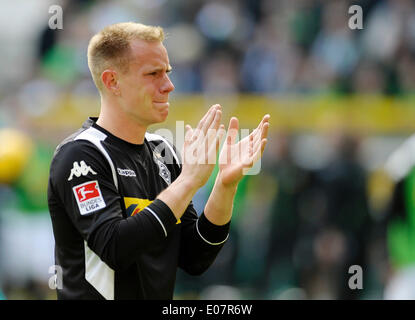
<point x="167" y="85"/>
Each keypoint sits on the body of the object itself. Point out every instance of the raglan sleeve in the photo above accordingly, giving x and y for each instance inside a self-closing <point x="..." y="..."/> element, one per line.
<point x="83" y="187"/>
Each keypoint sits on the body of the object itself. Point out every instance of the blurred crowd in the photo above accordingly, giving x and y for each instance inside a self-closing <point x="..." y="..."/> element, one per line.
<point x="265" y="46"/>
<point x="318" y="206"/>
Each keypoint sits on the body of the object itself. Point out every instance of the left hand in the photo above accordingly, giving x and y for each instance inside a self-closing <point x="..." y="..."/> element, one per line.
<point x="236" y="159"/>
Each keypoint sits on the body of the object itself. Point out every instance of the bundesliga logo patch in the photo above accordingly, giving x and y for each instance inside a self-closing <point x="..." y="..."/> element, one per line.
<point x="89" y="197"/>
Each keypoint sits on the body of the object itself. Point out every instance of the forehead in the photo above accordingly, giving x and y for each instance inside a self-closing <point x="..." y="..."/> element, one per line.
<point x="149" y="53"/>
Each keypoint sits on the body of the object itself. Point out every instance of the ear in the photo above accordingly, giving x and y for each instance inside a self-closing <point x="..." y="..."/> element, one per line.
<point x="110" y="80"/>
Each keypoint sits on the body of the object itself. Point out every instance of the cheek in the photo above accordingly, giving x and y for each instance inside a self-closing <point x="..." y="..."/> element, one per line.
<point x="149" y="92"/>
<point x="138" y="94"/>
<point x="138" y="91"/>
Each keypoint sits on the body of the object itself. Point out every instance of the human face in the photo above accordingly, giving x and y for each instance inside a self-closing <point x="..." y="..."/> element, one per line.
<point x="145" y="88"/>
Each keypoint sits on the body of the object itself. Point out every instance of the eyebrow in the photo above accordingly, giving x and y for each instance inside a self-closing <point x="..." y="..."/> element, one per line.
<point x="156" y="69"/>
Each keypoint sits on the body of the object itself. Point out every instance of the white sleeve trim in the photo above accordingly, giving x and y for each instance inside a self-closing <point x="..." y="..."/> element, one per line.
<point x="211" y="243"/>
<point x="161" y="223"/>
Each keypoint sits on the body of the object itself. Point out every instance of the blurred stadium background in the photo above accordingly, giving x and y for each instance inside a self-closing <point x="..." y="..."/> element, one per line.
<point x="341" y="101"/>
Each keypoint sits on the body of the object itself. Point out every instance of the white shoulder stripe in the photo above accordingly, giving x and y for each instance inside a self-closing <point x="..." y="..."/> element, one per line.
<point x="153" y="137"/>
<point x="95" y="136"/>
<point x="91" y="132"/>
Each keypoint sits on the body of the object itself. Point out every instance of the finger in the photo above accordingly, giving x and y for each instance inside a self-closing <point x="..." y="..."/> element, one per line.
<point x="212" y="119"/>
<point x="233" y="128"/>
<point x="207" y="135"/>
<point x="221" y="134"/>
<point x="201" y="131"/>
<point x="259" y="151"/>
<point x="248" y="152"/>
<point x="207" y="115"/>
<point x="256" y="134"/>
<point x="212" y="131"/>
<point x="188" y="133"/>
<point x="214" y="125"/>
<point x="261" y="132"/>
<point x="251" y="146"/>
<point x="216" y="121"/>
<point x="250" y="161"/>
<point x="198" y="129"/>
<point x="264" y="132"/>
<point x="261" y="123"/>
<point x="188" y="148"/>
<point x="215" y="143"/>
<point x="258" y="129"/>
<point x="265" y="120"/>
<point x="253" y="142"/>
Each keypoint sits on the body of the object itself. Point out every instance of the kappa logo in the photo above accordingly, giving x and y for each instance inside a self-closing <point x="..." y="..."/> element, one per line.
<point x="126" y="172"/>
<point x="81" y="169"/>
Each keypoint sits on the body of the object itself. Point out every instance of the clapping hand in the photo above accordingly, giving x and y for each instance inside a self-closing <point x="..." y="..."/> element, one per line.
<point x="236" y="158"/>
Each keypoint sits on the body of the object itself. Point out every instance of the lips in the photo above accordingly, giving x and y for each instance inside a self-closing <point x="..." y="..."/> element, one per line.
<point x="161" y="104"/>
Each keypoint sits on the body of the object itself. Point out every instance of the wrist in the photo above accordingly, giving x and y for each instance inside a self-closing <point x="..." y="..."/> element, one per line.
<point x="229" y="187"/>
<point x="187" y="183"/>
<point x="178" y="195"/>
<point x="218" y="209"/>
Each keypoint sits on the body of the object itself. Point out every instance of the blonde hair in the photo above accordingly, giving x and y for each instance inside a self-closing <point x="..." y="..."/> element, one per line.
<point x="111" y="47"/>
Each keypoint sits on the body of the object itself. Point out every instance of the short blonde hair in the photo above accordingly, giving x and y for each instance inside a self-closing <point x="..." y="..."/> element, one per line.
<point x="111" y="47"/>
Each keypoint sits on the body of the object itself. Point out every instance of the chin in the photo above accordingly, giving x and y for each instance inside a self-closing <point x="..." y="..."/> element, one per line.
<point x="164" y="115"/>
<point x="159" y="119"/>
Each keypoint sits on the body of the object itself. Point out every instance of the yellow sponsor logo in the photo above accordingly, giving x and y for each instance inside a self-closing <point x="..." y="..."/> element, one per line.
<point x="135" y="205"/>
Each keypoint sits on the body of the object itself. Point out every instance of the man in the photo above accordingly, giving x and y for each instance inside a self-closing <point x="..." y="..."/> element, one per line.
<point x="120" y="198"/>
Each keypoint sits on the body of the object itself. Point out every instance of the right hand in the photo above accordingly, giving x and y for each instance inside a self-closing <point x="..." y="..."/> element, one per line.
<point x="201" y="147"/>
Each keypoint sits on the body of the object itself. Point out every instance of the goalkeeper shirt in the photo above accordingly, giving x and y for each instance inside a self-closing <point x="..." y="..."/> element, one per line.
<point x="113" y="238"/>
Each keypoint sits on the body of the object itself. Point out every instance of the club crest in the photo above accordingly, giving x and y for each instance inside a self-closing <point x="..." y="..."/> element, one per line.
<point x="163" y="171"/>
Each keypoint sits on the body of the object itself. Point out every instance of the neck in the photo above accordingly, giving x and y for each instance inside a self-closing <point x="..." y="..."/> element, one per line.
<point x="118" y="123"/>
